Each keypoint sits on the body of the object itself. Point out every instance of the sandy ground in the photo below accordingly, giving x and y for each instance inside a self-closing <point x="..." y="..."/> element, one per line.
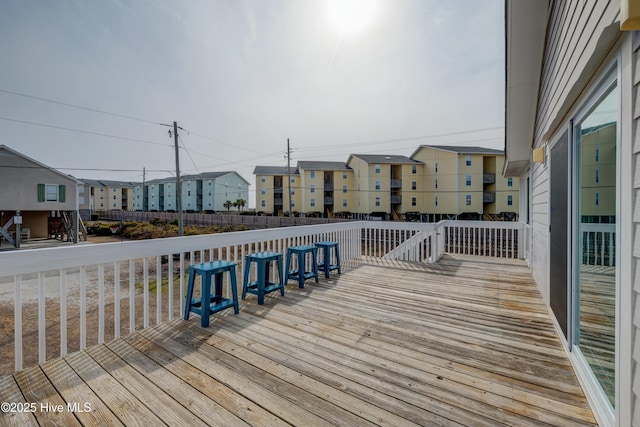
<point x="52" y="313"/>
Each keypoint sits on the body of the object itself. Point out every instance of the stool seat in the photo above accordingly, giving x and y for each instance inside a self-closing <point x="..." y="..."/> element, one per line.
<point x="301" y="273"/>
<point x="209" y="303"/>
<point x="325" y="250"/>
<point x="262" y="285"/>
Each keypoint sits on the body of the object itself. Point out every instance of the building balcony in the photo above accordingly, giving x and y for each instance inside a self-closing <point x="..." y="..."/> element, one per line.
<point x="488" y="197"/>
<point x="397" y="359"/>
<point x="278" y="189"/>
<point x="328" y="186"/>
<point x="278" y="202"/>
<point x="488" y="178"/>
<point x="396" y="183"/>
<point x="396" y="199"/>
<point x="328" y="200"/>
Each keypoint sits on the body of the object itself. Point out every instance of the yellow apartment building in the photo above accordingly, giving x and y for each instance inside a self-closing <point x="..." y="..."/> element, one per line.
<point x="436" y="182"/>
<point x="274" y="184"/>
<point x="465" y="182"/>
<point x="598" y="168"/>
<point x="327" y="189"/>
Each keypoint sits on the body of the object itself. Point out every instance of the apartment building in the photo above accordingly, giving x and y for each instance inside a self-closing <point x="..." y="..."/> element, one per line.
<point x="206" y="192"/>
<point x="465" y="182"/>
<point x="275" y="187"/>
<point x="381" y="181"/>
<point x="102" y="195"/>
<point x="327" y="188"/>
<point x="436" y="182"/>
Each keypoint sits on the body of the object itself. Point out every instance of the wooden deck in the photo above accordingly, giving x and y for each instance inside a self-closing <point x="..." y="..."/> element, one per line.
<point x="467" y="341"/>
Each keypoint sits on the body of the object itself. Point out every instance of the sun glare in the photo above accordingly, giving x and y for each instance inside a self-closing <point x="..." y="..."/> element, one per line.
<point x="351" y="17"/>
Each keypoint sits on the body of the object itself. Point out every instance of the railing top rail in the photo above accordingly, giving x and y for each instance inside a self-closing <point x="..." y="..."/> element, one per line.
<point x="485" y="224"/>
<point x="49" y="259"/>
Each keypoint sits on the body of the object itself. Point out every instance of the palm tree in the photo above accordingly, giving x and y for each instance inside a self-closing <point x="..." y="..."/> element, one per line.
<point x="227" y="205"/>
<point x="240" y="203"/>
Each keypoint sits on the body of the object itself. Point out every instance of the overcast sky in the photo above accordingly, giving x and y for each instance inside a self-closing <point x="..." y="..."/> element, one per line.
<point x="243" y="76"/>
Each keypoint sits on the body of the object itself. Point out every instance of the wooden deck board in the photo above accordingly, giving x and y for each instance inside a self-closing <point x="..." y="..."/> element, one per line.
<point x="467" y="341"/>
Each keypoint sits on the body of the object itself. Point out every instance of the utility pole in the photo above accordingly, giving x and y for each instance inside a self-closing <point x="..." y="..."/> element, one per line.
<point x="179" y="186"/>
<point x="289" y="177"/>
<point x="144" y="204"/>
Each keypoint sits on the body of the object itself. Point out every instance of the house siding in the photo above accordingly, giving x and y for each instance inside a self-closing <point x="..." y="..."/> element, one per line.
<point x="635" y="300"/>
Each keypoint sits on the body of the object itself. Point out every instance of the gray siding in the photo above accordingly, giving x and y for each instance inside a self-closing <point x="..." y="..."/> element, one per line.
<point x="636" y="289"/>
<point x="580" y="32"/>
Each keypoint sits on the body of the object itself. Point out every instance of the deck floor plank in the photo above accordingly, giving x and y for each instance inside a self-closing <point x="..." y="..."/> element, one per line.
<point x="11" y="393"/>
<point x="465" y="341"/>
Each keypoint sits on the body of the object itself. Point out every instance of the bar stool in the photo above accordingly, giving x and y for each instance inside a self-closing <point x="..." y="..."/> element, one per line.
<point x="325" y="250"/>
<point x="262" y="285"/>
<point x="209" y="303"/>
<point x="301" y="274"/>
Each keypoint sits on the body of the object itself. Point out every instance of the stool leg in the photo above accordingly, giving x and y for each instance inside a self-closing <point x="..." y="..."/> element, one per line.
<point x="338" y="258"/>
<point x="234" y="291"/>
<point x="314" y="262"/>
<point x="279" y="265"/>
<point x="218" y="288"/>
<point x="301" y="266"/>
<point x="189" y="297"/>
<point x="326" y="257"/>
<point x="245" y="279"/>
<point x="261" y="274"/>
<point x="206" y="300"/>
<point x="288" y="267"/>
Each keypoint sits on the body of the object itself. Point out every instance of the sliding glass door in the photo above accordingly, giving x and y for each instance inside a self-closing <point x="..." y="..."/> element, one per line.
<point x="594" y="260"/>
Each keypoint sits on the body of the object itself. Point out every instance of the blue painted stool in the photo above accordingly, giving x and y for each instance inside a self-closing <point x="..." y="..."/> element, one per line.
<point x="262" y="285"/>
<point x="209" y="303"/>
<point x="325" y="250"/>
<point x="301" y="274"/>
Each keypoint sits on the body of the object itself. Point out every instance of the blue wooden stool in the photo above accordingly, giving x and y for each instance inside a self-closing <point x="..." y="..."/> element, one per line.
<point x="262" y="285"/>
<point x="209" y="303"/>
<point x="301" y="274"/>
<point x="325" y="250"/>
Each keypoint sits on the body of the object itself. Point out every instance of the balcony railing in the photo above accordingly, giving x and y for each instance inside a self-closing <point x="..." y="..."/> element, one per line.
<point x="396" y="199"/>
<point x="488" y="197"/>
<point x="488" y="178"/>
<point x="396" y="183"/>
<point x="99" y="292"/>
<point x="328" y="186"/>
<point x="328" y="200"/>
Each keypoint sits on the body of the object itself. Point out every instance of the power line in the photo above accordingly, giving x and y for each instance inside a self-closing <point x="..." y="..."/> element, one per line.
<point x="82" y="131"/>
<point x="188" y="153"/>
<point x="84" y="169"/>
<point x="66" y="104"/>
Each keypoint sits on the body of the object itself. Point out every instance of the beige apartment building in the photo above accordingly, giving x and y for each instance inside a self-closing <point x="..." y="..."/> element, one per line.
<point x="466" y="182"/>
<point x="436" y="182"/>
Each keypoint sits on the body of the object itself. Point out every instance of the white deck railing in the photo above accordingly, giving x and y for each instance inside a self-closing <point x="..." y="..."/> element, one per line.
<point x="66" y="299"/>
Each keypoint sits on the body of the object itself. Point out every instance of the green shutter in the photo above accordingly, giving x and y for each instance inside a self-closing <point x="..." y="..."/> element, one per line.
<point x="61" y="193"/>
<point x="40" y="193"/>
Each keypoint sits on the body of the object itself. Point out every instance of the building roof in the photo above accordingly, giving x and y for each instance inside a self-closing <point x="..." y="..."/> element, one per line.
<point x="42" y="165"/>
<point x="274" y="170"/>
<point x="327" y="166"/>
<point x="384" y="158"/>
<point x="461" y="150"/>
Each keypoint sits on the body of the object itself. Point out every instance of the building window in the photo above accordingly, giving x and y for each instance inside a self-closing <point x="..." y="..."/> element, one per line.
<point x="377" y="202"/>
<point x="436" y="183"/>
<point x="597" y="198"/>
<point x="344" y="188"/>
<point x="597" y="154"/>
<point x="263" y="191"/>
<point x="378" y="185"/>
<point x="509" y="182"/>
<point x="293" y="192"/>
<point x="414" y="169"/>
<point x="344" y="175"/>
<point x="414" y="201"/>
<point x="293" y="180"/>
<point x="344" y="203"/>
<point x="293" y="203"/>
<point x="377" y="169"/>
<point x="436" y="166"/>
<point x="114" y="197"/>
<point x="51" y="191"/>
<point x="102" y="197"/>
<point x="114" y="205"/>
<point x="468" y="161"/>
<point x="467" y="180"/>
<point x="414" y="185"/>
<point x="312" y="174"/>
<point x="509" y="200"/>
<point x="313" y="188"/>
<point x="467" y="200"/>
<point x="263" y="180"/>
<point x="263" y="203"/>
<point x="436" y="200"/>
<point x="597" y="176"/>
<point x="312" y="203"/>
